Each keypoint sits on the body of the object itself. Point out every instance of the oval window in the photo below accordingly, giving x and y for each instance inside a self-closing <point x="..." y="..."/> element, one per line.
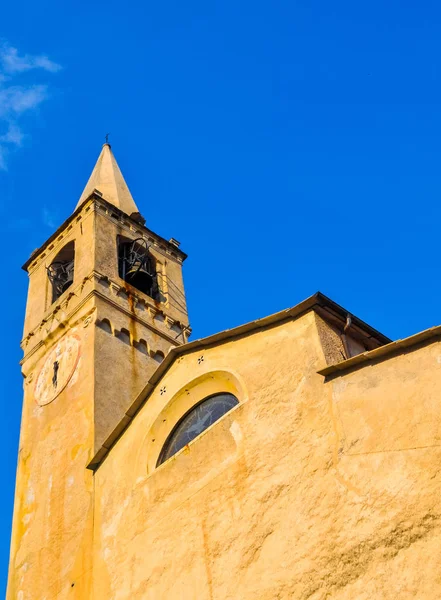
<point x="198" y="418"/>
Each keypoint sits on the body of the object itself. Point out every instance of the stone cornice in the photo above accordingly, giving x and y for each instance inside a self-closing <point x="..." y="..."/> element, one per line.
<point x="55" y="333"/>
<point x="60" y="307"/>
<point x="158" y="243"/>
<point x="57" y="238"/>
<point x="171" y="249"/>
<point x="96" y="199"/>
<point x="138" y="298"/>
<point x="136" y="318"/>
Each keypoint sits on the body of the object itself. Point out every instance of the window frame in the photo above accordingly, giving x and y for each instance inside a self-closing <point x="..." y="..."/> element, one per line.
<point x="167" y="443"/>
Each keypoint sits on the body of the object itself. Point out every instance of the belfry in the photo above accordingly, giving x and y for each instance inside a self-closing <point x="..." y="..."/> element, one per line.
<point x="296" y="456"/>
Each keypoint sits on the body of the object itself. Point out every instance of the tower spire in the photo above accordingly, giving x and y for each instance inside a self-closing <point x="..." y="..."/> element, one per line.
<point x="107" y="178"/>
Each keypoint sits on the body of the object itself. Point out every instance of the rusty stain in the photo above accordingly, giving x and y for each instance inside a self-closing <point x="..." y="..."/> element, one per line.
<point x="130" y="299"/>
<point x="207" y="559"/>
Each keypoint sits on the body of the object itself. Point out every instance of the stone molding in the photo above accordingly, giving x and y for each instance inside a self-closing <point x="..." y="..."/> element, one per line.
<point x="60" y="240"/>
<point x="58" y="331"/>
<point x="139" y="300"/>
<point x="125" y="336"/>
<point x="114" y="214"/>
<point x="57" y="314"/>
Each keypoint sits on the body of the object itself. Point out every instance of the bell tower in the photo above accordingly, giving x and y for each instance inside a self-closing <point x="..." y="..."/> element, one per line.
<point x="106" y="302"/>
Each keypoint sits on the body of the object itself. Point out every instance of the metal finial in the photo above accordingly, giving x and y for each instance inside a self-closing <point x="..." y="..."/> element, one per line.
<point x="107" y="138"/>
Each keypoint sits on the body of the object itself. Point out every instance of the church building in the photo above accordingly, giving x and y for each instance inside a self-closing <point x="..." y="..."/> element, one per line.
<point x="294" y="457"/>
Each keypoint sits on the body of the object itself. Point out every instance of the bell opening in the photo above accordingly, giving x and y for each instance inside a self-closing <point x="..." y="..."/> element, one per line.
<point x="142" y="280"/>
<point x="137" y="265"/>
<point x="66" y="285"/>
<point x="61" y="270"/>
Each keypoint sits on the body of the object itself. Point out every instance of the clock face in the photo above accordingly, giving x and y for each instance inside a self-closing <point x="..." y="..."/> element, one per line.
<point x="57" y="370"/>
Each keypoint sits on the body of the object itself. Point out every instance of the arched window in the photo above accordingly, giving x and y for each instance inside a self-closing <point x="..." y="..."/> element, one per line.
<point x="61" y="271"/>
<point x="197" y="419"/>
<point x="137" y="266"/>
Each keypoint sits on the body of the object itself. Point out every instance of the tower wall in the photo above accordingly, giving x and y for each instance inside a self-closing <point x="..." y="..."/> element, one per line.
<point x="53" y="508"/>
<point x="87" y="354"/>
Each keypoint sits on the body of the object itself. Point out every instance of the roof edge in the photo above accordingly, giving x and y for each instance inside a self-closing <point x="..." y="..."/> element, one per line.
<point x="380" y="353"/>
<point x="316" y="300"/>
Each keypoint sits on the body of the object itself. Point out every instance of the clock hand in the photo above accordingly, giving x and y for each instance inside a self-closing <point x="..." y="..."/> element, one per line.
<point x="55" y="376"/>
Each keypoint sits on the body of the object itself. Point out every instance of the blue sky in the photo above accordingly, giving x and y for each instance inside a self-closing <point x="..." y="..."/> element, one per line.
<point x="291" y="147"/>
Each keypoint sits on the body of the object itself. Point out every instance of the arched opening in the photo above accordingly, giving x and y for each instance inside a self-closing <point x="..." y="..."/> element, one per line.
<point x="142" y="346"/>
<point x="137" y="266"/>
<point x="61" y="270"/>
<point x="105" y="325"/>
<point x="123" y="335"/>
<point x="159" y="356"/>
<point x="195" y="421"/>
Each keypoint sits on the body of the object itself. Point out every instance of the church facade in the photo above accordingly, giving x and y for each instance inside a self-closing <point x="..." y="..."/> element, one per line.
<point x="293" y="457"/>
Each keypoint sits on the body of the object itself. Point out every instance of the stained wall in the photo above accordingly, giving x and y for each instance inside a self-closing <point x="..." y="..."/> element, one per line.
<point x="309" y="489"/>
<point x="52" y="534"/>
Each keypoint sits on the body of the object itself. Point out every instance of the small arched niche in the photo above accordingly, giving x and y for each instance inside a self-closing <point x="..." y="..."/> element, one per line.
<point x="137" y="266"/>
<point x="61" y="271"/>
<point x="158" y="356"/>
<point x="142" y="346"/>
<point x="123" y="335"/>
<point x="105" y="325"/>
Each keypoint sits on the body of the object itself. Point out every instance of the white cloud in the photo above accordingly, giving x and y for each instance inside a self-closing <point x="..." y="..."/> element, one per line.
<point x="18" y="97"/>
<point x="49" y="218"/>
<point x="13" y="63"/>
<point x="14" y="135"/>
<point x="3" y="153"/>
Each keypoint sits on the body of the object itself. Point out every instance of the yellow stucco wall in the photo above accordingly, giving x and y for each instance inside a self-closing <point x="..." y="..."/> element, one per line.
<point x="53" y="513"/>
<point x="52" y="537"/>
<point x="387" y="451"/>
<point x="308" y="489"/>
<point x="220" y="519"/>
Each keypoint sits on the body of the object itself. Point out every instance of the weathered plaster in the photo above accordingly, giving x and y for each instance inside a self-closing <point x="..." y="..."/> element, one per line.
<point x="311" y="488"/>
<point x="52" y="538"/>
<point x="273" y="501"/>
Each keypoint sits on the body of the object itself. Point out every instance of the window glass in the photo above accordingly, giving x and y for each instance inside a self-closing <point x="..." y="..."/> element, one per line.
<point x="199" y="418"/>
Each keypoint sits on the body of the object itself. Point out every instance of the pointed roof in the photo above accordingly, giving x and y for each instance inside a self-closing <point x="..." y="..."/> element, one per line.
<point x="107" y="178"/>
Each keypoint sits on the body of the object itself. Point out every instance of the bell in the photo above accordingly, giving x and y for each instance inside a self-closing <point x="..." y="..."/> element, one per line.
<point x="140" y="278"/>
<point x="65" y="285"/>
<point x="61" y="275"/>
